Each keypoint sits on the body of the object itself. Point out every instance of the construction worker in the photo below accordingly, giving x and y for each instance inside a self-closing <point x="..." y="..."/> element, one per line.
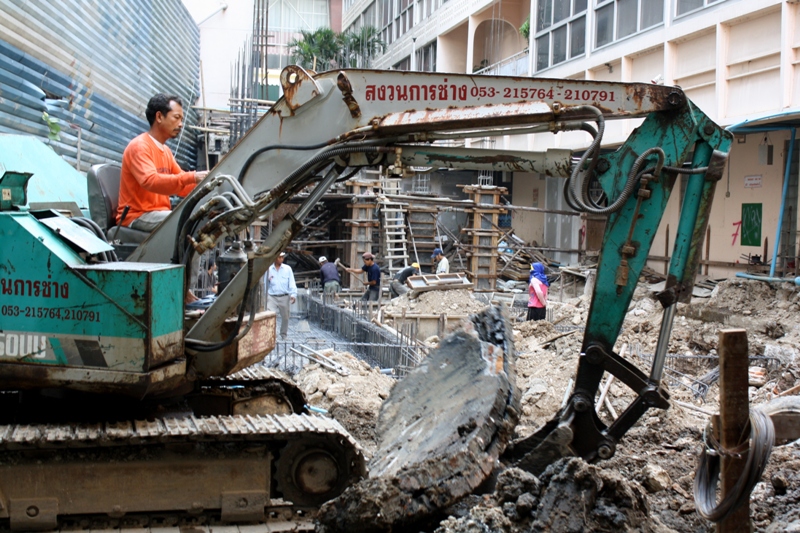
<point x="282" y="292"/>
<point x="373" y="292"/>
<point x="329" y="276"/>
<point x="442" y="264"/>
<point x="398" y="284"/>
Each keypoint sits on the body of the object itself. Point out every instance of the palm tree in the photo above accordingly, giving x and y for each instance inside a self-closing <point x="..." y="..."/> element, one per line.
<point x="324" y="49"/>
<point x="361" y="46"/>
<point x="318" y="50"/>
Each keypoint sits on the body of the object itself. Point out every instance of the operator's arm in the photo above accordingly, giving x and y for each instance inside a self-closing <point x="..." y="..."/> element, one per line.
<point x="158" y="179"/>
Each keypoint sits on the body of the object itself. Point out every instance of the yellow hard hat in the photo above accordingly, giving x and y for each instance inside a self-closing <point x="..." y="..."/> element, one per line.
<point x="415" y="265"/>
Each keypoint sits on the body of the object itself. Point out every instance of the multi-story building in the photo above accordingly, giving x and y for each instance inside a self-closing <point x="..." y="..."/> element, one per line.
<point x="226" y="29"/>
<point x="736" y="59"/>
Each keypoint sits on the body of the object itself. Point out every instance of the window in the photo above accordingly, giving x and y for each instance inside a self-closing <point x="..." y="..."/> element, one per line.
<point x="398" y="17"/>
<point x="404" y="64"/>
<point x="560" y="31"/>
<point x="426" y="58"/>
<point x="617" y="19"/>
<point x="686" y="6"/>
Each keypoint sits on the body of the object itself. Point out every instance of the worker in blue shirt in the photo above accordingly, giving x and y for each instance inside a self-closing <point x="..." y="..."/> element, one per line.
<point x="282" y="291"/>
<point x="329" y="276"/>
<point x="373" y="292"/>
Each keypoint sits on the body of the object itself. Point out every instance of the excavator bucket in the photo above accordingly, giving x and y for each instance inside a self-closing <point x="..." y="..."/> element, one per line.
<point x="441" y="431"/>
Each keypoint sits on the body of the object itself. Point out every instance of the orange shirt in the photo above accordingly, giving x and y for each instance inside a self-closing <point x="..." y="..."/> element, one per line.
<point x="149" y="175"/>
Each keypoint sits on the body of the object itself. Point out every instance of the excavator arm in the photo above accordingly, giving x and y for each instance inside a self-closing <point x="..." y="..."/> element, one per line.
<point x="327" y="123"/>
<point x="653" y="156"/>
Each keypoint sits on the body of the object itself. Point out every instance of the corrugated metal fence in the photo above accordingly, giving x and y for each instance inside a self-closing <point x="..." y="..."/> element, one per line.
<point x="95" y="64"/>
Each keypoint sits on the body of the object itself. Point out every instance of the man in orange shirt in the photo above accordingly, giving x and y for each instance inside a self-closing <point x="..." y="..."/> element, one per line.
<point x="150" y="173"/>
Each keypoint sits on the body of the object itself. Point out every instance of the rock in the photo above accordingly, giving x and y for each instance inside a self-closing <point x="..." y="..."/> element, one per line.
<point x="536" y="389"/>
<point x="525" y="504"/>
<point x="687" y="508"/>
<point x="656" y="478"/>
<point x="576" y="320"/>
<point x="513" y="483"/>
<point x="779" y="483"/>
<point x="608" y="501"/>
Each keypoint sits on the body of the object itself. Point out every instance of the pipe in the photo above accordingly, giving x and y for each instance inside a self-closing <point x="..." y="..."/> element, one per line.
<point x="222" y="7"/>
<point x="796" y="280"/>
<point x="783" y="206"/>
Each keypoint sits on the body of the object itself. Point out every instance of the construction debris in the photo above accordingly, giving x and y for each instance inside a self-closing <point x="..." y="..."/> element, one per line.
<point x="647" y="485"/>
<point x="353" y="399"/>
<point x="426" y="463"/>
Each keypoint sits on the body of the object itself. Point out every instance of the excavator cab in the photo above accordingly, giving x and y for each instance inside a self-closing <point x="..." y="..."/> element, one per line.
<point x="103" y="184"/>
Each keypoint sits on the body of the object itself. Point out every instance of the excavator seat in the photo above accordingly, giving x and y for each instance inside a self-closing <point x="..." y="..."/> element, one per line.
<point x="103" y="182"/>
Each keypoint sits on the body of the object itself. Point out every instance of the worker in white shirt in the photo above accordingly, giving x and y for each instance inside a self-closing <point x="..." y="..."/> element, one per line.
<point x="442" y="264"/>
<point x="282" y="291"/>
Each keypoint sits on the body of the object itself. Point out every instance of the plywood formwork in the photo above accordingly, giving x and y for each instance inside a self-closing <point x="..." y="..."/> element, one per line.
<point x="422" y="234"/>
<point x="363" y="228"/>
<point x="483" y="233"/>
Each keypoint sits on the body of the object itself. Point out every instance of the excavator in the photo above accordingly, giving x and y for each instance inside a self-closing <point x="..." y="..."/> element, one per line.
<point x="119" y="410"/>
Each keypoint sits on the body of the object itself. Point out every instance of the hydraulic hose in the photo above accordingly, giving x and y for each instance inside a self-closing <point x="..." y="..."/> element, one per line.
<point x="92" y="226"/>
<point x="324" y="156"/>
<point x="200" y="346"/>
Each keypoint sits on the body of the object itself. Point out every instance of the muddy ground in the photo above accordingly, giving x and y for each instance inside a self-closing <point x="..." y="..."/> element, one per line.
<point x="647" y="485"/>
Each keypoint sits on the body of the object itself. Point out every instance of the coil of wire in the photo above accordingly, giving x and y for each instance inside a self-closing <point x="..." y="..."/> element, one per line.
<point x="758" y="448"/>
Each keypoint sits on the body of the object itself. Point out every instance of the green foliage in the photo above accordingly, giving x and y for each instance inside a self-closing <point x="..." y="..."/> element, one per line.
<point x="480" y="66"/>
<point x="323" y="49"/>
<point x="361" y="46"/>
<point x="53" y="126"/>
<point x="525" y="29"/>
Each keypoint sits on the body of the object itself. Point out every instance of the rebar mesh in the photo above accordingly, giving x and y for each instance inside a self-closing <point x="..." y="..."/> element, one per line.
<point x="322" y="324"/>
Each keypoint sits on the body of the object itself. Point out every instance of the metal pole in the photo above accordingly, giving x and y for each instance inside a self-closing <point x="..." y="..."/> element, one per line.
<point x="783" y="204"/>
<point x="667" y="318"/>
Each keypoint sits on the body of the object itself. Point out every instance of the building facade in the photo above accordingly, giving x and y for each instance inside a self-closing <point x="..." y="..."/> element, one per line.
<point x="736" y="59"/>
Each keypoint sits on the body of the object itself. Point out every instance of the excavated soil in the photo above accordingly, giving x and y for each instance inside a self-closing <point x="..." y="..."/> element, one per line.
<point x="647" y="485"/>
<point x="456" y="302"/>
<point x="353" y="400"/>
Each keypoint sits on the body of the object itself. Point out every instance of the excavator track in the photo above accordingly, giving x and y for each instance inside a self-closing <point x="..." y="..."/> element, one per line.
<point x="257" y="390"/>
<point x="174" y="472"/>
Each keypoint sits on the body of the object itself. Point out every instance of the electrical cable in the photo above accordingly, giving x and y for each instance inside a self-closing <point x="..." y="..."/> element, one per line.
<point x="758" y="449"/>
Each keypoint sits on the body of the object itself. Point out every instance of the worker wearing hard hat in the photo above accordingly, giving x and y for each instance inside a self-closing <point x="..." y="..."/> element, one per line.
<point x="443" y="265"/>
<point x="398" y="284"/>
<point x="329" y="276"/>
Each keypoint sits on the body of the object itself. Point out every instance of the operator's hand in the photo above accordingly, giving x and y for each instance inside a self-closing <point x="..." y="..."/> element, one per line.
<point x="292" y="299"/>
<point x="200" y="176"/>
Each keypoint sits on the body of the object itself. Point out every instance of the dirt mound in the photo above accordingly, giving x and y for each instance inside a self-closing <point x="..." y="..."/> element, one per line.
<point x="571" y="496"/>
<point x="353" y="400"/>
<point x="454" y="302"/>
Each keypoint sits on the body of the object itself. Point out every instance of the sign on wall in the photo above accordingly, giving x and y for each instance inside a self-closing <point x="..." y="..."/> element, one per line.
<point x="752" y="182"/>
<point x="751" y="224"/>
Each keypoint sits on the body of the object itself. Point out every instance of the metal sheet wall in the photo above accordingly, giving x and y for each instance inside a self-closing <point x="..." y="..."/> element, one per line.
<point x="95" y="64"/>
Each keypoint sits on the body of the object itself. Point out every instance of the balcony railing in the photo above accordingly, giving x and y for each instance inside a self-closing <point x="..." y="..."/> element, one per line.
<point x="516" y="65"/>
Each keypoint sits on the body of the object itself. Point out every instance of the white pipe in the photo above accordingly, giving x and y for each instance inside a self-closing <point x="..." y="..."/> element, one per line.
<point x="222" y="7"/>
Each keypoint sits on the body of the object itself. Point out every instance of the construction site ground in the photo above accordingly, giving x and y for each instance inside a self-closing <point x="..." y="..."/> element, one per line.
<point x="647" y="485"/>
